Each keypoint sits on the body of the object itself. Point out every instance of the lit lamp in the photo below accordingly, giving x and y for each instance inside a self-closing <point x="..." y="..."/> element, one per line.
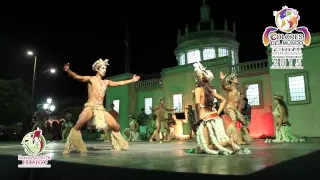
<point x="49" y="100"/>
<point x="52" y="71"/>
<point x="45" y="106"/>
<point x="49" y="106"/>
<point x="52" y="108"/>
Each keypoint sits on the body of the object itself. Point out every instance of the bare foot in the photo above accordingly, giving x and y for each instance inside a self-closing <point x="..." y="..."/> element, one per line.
<point x="151" y="140"/>
<point x="65" y="152"/>
<point x="234" y="147"/>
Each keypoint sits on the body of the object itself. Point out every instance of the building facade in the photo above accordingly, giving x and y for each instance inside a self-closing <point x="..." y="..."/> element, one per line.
<point x="218" y="51"/>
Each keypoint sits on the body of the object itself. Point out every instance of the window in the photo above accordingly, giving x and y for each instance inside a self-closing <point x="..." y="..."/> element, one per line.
<point x="193" y="56"/>
<point x="147" y="105"/>
<point x="233" y="57"/>
<point x="298" y="88"/>
<point x="182" y="59"/>
<point x="222" y="52"/>
<point x="177" y="102"/>
<point x="253" y="95"/>
<point x="209" y="53"/>
<point x="116" y="104"/>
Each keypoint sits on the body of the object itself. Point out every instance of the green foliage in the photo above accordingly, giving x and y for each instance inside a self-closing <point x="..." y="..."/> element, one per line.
<point x="14" y="101"/>
<point x="75" y="111"/>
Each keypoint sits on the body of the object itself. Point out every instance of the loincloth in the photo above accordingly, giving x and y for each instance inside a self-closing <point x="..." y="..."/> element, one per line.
<point x="234" y="113"/>
<point x="98" y="119"/>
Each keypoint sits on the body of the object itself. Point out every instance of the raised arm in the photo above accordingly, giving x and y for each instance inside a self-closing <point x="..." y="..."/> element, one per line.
<point x="135" y="78"/>
<point x="197" y="92"/>
<point x="74" y="75"/>
<point x="223" y="82"/>
<point x="222" y="101"/>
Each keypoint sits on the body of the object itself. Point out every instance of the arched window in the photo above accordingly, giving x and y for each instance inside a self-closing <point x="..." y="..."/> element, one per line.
<point x="193" y="56"/>
<point x="209" y="53"/>
<point x="222" y="52"/>
<point x="182" y="59"/>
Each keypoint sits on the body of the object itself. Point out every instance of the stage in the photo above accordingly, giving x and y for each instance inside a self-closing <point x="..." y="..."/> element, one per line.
<point x="162" y="160"/>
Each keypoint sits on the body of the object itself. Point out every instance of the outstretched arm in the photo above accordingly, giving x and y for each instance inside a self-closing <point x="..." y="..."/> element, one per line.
<point x="74" y="75"/>
<point x="167" y="109"/>
<point x="223" y="82"/>
<point x="79" y="78"/>
<point x="222" y="101"/>
<point x="121" y="83"/>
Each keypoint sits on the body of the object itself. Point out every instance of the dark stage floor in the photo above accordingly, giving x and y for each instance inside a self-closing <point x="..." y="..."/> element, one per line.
<point x="146" y="160"/>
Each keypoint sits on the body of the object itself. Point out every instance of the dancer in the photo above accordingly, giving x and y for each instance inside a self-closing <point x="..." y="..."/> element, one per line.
<point x="132" y="134"/>
<point x="283" y="130"/>
<point x="211" y="135"/>
<point x="160" y="109"/>
<point x="230" y="84"/>
<point x="152" y="125"/>
<point x="94" y="110"/>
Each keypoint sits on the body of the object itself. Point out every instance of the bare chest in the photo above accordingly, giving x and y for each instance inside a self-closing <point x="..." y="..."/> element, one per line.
<point x="99" y="85"/>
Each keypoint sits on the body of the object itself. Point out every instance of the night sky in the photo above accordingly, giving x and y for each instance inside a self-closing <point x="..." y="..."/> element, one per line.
<point x="81" y="33"/>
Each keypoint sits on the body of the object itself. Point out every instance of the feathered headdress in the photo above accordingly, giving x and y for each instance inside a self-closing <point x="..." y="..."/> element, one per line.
<point x="202" y="72"/>
<point x="230" y="77"/>
<point x="277" y="96"/>
<point x="99" y="63"/>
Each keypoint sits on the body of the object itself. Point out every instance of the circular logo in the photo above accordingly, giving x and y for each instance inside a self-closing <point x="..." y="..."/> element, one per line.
<point x="34" y="142"/>
<point x="287" y="19"/>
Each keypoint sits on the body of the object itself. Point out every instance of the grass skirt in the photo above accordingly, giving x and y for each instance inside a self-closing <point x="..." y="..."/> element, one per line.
<point x="284" y="134"/>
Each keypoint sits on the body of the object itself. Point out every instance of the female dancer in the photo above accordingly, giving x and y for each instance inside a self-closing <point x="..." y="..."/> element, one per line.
<point x="211" y="135"/>
<point x="283" y="131"/>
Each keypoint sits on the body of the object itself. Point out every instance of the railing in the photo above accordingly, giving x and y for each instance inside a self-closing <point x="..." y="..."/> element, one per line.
<point x="250" y="66"/>
<point x="242" y="67"/>
<point x="148" y="83"/>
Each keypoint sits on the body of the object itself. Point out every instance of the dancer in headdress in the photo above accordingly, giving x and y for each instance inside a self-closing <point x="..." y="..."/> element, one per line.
<point x="283" y="130"/>
<point x="162" y="126"/>
<point x="94" y="113"/>
<point x="211" y="135"/>
<point x="230" y="83"/>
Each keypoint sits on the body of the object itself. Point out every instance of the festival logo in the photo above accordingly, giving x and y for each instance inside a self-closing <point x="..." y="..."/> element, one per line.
<point x="34" y="143"/>
<point x="287" y="44"/>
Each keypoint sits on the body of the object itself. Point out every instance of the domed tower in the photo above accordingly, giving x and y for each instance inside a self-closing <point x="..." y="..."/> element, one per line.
<point x="206" y="42"/>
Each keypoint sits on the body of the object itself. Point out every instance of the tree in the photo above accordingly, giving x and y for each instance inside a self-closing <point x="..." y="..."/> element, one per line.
<point x="14" y="101"/>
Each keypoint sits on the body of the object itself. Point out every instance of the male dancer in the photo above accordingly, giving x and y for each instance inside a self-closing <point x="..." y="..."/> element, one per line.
<point x="94" y="109"/>
<point x="160" y="118"/>
<point x="230" y="84"/>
